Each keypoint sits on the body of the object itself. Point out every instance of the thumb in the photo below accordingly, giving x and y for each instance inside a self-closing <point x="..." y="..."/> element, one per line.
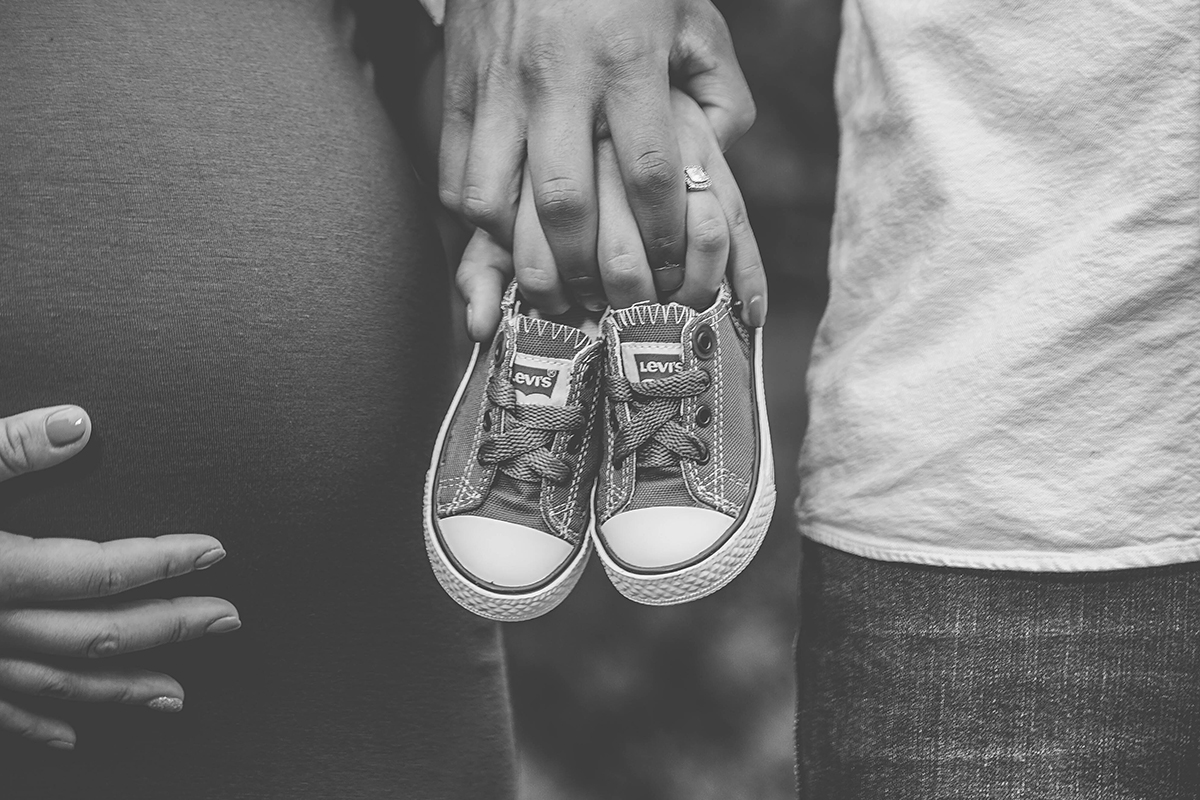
<point x="706" y="67"/>
<point x="41" y="438"/>
<point x="483" y="275"/>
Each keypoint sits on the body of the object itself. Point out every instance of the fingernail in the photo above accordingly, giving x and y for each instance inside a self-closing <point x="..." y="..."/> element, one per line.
<point x="470" y="321"/>
<point x="59" y="744"/>
<point x="171" y="705"/>
<point x="668" y="277"/>
<point x="211" y="557"/>
<point x="66" y="426"/>
<point x="224" y="625"/>
<point x="756" y="311"/>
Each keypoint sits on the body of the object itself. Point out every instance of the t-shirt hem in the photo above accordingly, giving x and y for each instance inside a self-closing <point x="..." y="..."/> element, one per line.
<point x="1130" y="557"/>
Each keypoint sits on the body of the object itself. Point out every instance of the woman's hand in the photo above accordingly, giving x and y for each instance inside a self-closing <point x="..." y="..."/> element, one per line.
<point x="533" y="82"/>
<point x="53" y="651"/>
<point x="720" y="242"/>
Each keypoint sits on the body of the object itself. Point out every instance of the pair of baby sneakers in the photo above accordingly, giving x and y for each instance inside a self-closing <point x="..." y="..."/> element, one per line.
<point x="646" y="438"/>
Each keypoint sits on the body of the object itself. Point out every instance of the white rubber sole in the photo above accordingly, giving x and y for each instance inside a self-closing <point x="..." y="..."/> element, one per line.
<point x="707" y="576"/>
<point x="502" y="607"/>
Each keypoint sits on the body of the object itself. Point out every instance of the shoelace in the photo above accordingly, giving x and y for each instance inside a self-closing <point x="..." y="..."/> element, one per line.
<point x="522" y="451"/>
<point x="653" y="430"/>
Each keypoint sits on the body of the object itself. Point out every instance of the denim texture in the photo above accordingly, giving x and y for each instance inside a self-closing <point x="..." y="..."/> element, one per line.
<point x="928" y="683"/>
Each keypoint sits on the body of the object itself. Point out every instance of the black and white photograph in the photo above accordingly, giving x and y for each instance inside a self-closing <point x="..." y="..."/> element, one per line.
<point x="600" y="400"/>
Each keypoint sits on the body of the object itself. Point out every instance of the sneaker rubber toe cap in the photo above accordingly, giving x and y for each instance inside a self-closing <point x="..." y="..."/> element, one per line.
<point x="503" y="553"/>
<point x="662" y="536"/>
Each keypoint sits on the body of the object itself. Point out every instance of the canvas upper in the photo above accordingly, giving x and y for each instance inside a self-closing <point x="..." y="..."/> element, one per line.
<point x="521" y="453"/>
<point x="686" y="376"/>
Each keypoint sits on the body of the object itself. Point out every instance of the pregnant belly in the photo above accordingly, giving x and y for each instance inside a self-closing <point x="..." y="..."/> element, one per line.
<point x="210" y="238"/>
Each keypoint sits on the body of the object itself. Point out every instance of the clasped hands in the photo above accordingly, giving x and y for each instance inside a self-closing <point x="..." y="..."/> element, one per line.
<point x="566" y="128"/>
<point x="567" y="124"/>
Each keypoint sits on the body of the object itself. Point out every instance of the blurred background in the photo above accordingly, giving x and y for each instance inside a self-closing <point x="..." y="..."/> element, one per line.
<point x="616" y="701"/>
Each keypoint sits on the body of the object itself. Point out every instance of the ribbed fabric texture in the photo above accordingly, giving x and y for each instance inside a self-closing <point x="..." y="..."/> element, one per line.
<point x="211" y="239"/>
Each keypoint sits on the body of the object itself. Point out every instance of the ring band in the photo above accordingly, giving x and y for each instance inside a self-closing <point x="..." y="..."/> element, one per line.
<point x="666" y="265"/>
<point x="695" y="178"/>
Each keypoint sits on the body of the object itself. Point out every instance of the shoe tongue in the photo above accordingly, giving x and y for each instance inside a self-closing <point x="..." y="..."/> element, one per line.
<point x="651" y="339"/>
<point x="545" y="355"/>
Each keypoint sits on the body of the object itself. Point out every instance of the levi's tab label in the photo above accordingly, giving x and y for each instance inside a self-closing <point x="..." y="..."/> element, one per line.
<point x="541" y="381"/>
<point x="648" y="361"/>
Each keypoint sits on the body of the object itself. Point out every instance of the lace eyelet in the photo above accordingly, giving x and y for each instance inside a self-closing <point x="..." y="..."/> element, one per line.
<point x="704" y="341"/>
<point x="574" y="444"/>
<point x="703" y="416"/>
<point x="487" y="421"/>
<point x="498" y="348"/>
<point x="705" y="457"/>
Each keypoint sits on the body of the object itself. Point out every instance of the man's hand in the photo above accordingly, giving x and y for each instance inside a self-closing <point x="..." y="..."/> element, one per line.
<point x="531" y="84"/>
<point x="720" y="242"/>
<point x="39" y="640"/>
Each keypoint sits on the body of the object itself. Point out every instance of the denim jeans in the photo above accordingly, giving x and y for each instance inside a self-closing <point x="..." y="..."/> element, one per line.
<point x="924" y="683"/>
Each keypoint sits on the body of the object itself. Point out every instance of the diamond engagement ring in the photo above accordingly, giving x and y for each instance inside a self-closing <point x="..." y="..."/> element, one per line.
<point x="695" y="178"/>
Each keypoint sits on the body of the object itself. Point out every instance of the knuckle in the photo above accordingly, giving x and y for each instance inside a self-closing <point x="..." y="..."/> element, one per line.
<point x="653" y="173"/>
<point x="52" y="683"/>
<point x="623" y="269"/>
<point x="561" y="202"/>
<point x="480" y="207"/>
<point x="171" y="566"/>
<point x="665" y="247"/>
<point x="537" y="284"/>
<point x="738" y="221"/>
<point x="451" y="198"/>
<point x="27" y="728"/>
<point x="623" y="48"/>
<point x="110" y="579"/>
<point x="178" y="630"/>
<point x="16" y="447"/>
<point x="539" y="63"/>
<point x="709" y="236"/>
<point x="104" y="644"/>
<point x="459" y="88"/>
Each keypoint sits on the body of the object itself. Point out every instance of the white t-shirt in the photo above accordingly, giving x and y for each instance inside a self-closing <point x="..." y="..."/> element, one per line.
<point x="1008" y="372"/>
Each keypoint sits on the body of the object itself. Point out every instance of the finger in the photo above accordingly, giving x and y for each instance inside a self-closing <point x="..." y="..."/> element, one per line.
<point x="745" y="268"/>
<point x="91" y="684"/>
<point x="562" y="170"/>
<point x="111" y="631"/>
<point x="709" y="72"/>
<point x="536" y="273"/>
<point x="46" y="730"/>
<point x="707" y="230"/>
<point x="458" y="118"/>
<point x="745" y="271"/>
<point x="624" y="270"/>
<point x="707" y="251"/>
<point x="42" y="570"/>
<point x="41" y="438"/>
<point x="492" y="182"/>
<point x="483" y="274"/>
<point x="643" y="132"/>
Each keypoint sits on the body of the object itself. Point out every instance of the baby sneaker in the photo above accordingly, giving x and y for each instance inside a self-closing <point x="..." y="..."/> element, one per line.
<point x="509" y="491"/>
<point x="687" y="484"/>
